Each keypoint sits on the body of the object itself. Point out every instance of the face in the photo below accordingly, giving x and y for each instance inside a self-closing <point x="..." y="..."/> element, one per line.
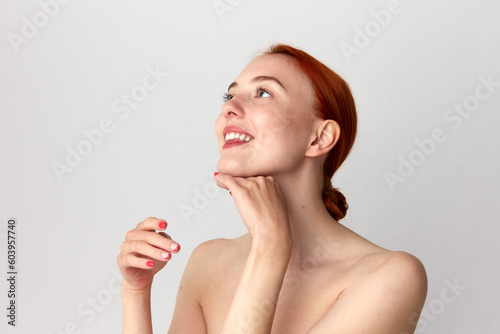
<point x="271" y="102"/>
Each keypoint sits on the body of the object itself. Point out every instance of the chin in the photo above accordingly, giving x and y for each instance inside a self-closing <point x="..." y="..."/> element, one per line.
<point x="233" y="168"/>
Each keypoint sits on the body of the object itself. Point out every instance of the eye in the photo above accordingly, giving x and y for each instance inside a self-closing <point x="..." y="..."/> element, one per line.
<point x="226" y="97"/>
<point x="261" y="92"/>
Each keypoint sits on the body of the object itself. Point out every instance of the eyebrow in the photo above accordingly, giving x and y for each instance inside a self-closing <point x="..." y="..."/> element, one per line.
<point x="258" y="79"/>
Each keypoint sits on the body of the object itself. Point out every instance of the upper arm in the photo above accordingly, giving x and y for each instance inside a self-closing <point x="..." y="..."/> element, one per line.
<point x="188" y="315"/>
<point x="388" y="301"/>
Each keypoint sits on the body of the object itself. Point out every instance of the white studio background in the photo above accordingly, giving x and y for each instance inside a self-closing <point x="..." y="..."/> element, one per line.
<point x="426" y="80"/>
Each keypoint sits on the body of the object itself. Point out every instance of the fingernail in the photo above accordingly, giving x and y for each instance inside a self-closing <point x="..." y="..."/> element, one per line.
<point x="165" y="255"/>
<point x="162" y="224"/>
<point x="175" y="247"/>
<point x="215" y="174"/>
<point x="150" y="263"/>
<point x="230" y="194"/>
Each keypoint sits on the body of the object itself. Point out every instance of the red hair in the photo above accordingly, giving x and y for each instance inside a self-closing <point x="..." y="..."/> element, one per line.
<point x="333" y="101"/>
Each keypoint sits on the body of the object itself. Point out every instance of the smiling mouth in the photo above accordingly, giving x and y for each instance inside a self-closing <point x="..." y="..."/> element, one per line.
<point x="236" y="139"/>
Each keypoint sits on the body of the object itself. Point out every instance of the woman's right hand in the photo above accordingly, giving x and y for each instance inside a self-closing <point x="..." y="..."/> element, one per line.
<point x="145" y="252"/>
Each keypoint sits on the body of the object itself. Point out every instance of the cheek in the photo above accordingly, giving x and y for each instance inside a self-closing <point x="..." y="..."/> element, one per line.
<point x="218" y="122"/>
<point x="284" y="127"/>
<point x="289" y="139"/>
<point x="275" y="124"/>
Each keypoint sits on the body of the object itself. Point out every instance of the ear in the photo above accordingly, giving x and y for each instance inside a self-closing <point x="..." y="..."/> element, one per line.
<point x="324" y="139"/>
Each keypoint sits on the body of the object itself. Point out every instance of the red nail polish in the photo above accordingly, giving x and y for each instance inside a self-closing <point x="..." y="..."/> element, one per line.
<point x="162" y="224"/>
<point x="150" y="263"/>
<point x="215" y="174"/>
<point x="230" y="194"/>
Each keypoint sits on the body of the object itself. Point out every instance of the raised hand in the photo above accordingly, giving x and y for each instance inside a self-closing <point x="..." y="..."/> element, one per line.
<point x="260" y="202"/>
<point x="145" y="252"/>
<point x="263" y="209"/>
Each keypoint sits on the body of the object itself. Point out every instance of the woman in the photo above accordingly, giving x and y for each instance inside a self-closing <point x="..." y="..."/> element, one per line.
<point x="287" y="124"/>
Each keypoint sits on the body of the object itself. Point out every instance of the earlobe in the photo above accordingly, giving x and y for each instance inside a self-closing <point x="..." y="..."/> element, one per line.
<point x="326" y="137"/>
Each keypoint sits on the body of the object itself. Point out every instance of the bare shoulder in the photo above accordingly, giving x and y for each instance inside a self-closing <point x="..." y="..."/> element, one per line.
<point x="399" y="276"/>
<point x="219" y="243"/>
<point x="205" y="264"/>
<point x="221" y="247"/>
<point x="371" y="262"/>
<point x="397" y="265"/>
<point x="397" y="262"/>
<point x="383" y="266"/>
<point x="211" y="255"/>
<point x="384" y="292"/>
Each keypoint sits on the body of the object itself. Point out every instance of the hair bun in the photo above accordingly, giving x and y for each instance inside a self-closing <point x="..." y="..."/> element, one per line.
<point x="335" y="202"/>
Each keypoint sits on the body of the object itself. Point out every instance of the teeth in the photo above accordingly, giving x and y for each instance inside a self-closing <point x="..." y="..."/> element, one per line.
<point x="240" y="136"/>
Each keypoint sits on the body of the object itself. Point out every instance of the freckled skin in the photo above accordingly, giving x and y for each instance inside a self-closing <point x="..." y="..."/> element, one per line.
<point x="279" y="121"/>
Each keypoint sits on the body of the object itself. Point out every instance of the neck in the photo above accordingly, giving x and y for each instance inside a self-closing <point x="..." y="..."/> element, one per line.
<point x="310" y="222"/>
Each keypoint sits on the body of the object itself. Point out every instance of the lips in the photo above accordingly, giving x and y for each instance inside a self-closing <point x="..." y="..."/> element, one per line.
<point x="238" y="141"/>
<point x="232" y="143"/>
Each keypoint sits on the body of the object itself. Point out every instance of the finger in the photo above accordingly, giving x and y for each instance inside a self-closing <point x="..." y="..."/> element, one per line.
<point x="142" y="248"/>
<point x="155" y="239"/>
<point x="134" y="261"/>
<point x="223" y="180"/>
<point x="251" y="183"/>
<point x="229" y="182"/>
<point x="259" y="182"/>
<point x="165" y="235"/>
<point x="152" y="224"/>
<point x="220" y="184"/>
<point x="136" y="234"/>
<point x="168" y="237"/>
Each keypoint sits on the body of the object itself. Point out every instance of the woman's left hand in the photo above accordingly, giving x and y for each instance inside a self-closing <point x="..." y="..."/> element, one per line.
<point x="261" y="204"/>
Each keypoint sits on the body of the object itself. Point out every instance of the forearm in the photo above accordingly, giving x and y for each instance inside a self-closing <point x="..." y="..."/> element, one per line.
<point x="254" y="303"/>
<point x="136" y="311"/>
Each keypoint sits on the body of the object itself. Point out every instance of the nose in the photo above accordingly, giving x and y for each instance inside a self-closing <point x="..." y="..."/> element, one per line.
<point x="232" y="108"/>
